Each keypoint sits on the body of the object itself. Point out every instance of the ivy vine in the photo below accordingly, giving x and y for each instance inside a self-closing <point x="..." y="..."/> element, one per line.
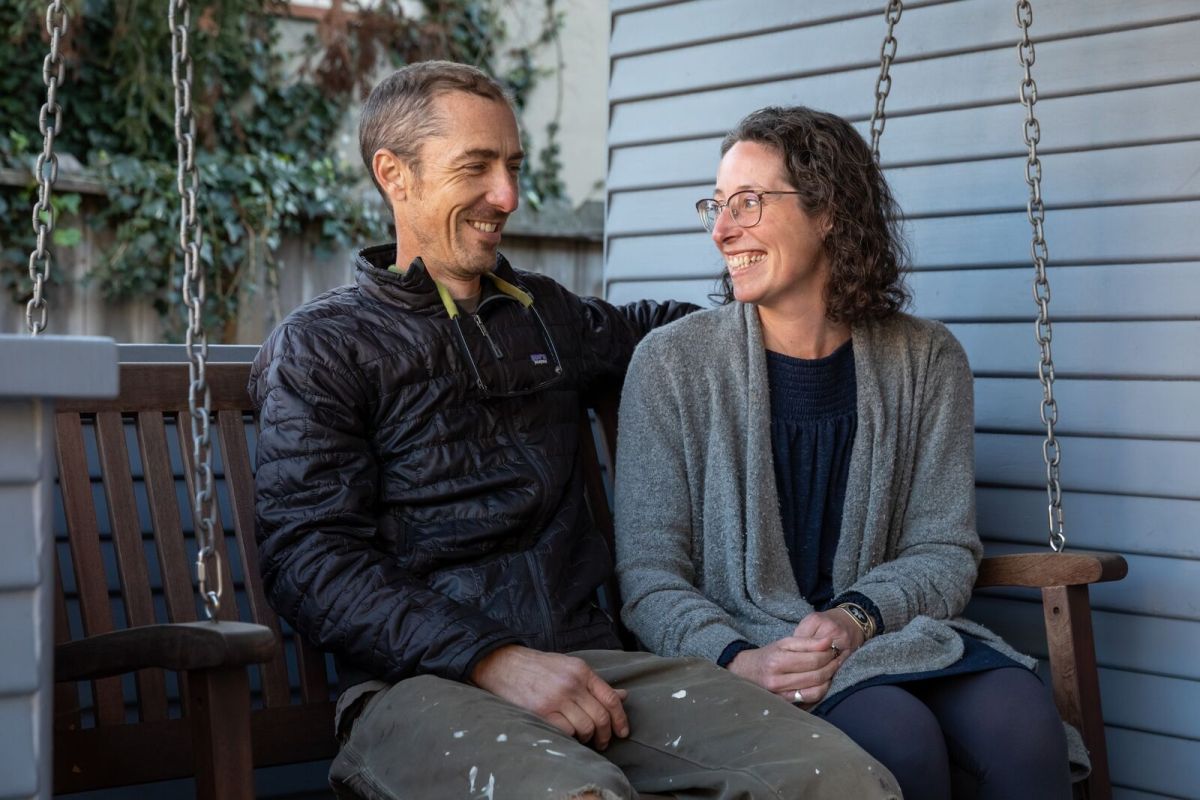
<point x="266" y="128"/>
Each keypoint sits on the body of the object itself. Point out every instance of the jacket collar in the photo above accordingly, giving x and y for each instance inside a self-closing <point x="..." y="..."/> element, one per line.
<point x="415" y="288"/>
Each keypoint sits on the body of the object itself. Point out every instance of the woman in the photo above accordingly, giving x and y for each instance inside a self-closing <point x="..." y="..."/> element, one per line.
<point x="796" y="491"/>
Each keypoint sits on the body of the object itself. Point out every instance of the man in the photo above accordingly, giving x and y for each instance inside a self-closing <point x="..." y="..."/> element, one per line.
<point x="421" y="517"/>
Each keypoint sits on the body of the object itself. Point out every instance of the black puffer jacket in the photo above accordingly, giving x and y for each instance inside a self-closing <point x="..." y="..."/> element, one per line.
<point x="406" y="522"/>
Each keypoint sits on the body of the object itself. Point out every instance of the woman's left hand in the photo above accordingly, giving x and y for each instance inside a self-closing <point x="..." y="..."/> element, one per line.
<point x="834" y="624"/>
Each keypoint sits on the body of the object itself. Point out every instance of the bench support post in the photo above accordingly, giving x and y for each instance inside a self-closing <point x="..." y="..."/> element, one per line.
<point x="1073" y="665"/>
<point x="219" y="710"/>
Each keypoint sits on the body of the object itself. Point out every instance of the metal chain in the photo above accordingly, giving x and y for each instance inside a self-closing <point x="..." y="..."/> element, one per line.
<point x="1051" y="449"/>
<point x="208" y="558"/>
<point x="883" y="84"/>
<point x="43" y="210"/>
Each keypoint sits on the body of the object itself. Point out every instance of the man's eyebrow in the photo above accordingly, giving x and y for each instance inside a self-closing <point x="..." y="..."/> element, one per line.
<point x="487" y="154"/>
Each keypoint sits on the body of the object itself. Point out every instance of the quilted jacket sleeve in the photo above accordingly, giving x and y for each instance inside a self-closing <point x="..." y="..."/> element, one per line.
<point x="316" y="500"/>
<point x="611" y="333"/>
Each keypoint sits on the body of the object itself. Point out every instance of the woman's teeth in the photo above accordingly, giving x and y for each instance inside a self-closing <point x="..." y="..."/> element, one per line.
<point x="745" y="260"/>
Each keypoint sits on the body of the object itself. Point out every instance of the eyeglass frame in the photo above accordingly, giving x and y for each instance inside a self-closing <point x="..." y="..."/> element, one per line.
<point x="726" y="205"/>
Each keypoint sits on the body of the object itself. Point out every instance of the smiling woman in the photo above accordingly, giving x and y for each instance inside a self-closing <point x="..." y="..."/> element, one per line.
<point x="796" y="487"/>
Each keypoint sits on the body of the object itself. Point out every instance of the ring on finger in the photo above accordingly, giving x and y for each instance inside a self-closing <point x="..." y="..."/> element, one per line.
<point x="837" y="651"/>
<point x="798" y="696"/>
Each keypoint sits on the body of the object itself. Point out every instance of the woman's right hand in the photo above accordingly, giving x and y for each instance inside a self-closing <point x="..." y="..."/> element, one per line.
<point x="797" y="669"/>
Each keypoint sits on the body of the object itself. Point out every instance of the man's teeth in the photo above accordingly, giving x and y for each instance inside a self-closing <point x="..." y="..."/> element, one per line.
<point x="486" y="227"/>
<point x="737" y="262"/>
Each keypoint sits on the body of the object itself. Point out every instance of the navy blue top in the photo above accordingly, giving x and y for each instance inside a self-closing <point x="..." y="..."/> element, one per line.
<point x="813" y="419"/>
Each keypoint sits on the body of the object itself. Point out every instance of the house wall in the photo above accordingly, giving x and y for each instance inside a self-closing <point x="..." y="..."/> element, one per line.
<point x="1118" y="100"/>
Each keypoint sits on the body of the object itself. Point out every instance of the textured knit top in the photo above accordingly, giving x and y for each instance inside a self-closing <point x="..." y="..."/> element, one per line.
<point x="813" y="419"/>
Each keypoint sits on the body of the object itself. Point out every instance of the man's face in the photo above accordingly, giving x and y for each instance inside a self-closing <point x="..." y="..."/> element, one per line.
<point x="465" y="189"/>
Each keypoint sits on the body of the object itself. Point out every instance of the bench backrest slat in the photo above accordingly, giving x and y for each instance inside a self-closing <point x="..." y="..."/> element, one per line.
<point x="183" y="426"/>
<point x="131" y="556"/>
<point x="164" y="517"/>
<point x="239" y="481"/>
<point x="90" y="577"/>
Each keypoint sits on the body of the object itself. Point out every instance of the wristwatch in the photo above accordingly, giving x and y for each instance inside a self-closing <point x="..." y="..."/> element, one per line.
<point x="864" y="621"/>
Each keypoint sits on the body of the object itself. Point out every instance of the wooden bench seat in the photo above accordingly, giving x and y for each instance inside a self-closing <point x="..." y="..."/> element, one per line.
<point x="248" y="693"/>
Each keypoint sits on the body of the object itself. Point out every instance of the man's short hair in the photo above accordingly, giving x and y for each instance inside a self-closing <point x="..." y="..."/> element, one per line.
<point x="399" y="114"/>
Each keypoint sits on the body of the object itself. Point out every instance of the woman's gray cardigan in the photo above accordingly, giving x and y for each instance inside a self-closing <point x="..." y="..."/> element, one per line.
<point x="700" y="548"/>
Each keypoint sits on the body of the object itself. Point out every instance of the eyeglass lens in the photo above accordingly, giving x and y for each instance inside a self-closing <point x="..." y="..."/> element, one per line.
<point x="745" y="208"/>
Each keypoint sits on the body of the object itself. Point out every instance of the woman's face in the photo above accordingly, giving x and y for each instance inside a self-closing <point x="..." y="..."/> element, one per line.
<point x="779" y="264"/>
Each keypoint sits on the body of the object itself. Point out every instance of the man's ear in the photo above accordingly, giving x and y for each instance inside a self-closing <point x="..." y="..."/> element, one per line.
<point x="394" y="175"/>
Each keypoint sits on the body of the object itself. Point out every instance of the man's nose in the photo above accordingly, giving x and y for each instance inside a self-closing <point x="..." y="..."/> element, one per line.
<point x="504" y="194"/>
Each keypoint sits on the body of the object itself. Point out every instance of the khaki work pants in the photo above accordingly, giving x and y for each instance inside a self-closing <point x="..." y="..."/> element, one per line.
<point x="696" y="731"/>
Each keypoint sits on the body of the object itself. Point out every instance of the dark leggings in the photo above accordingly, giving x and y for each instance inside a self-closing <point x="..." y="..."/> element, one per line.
<point x="983" y="735"/>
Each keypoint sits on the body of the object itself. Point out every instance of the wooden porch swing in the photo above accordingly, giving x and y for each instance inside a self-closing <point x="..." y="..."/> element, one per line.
<point x="121" y="451"/>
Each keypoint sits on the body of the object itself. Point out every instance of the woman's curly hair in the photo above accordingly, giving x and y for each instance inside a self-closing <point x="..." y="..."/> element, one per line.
<point x="831" y="167"/>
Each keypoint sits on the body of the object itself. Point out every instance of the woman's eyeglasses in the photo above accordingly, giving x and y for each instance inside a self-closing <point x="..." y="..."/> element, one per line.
<point x="745" y="207"/>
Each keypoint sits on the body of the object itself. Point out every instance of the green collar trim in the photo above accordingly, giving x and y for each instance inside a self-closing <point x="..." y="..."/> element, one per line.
<point x="515" y="292"/>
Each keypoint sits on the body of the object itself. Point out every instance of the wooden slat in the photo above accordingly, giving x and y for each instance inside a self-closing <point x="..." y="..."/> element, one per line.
<point x="131" y="558"/>
<point x="164" y="517"/>
<point x="924" y="85"/>
<point x="1082" y="292"/>
<point x="228" y="609"/>
<point x="925" y="34"/>
<point x="1050" y="569"/>
<point x="96" y="758"/>
<point x="1073" y="123"/>
<point x="1151" y="702"/>
<point x="164" y="387"/>
<point x="1117" y="176"/>
<point x="1112" y="466"/>
<point x="679" y="24"/>
<point x="1123" y="641"/>
<point x="66" y="694"/>
<point x="310" y="662"/>
<point x="76" y="487"/>
<point x="239" y="481"/>
<point x="1148" y="525"/>
<point x="1153" y="763"/>
<point x="1154" y="586"/>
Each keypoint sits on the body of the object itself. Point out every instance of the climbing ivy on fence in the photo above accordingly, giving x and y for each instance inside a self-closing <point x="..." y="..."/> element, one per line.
<point x="267" y="122"/>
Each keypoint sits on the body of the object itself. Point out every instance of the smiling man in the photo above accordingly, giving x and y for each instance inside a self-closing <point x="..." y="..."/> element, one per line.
<point x="420" y="515"/>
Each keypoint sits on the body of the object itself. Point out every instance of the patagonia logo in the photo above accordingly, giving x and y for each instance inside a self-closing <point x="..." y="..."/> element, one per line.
<point x="539" y="359"/>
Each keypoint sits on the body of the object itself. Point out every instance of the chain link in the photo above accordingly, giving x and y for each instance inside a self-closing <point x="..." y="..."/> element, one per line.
<point x="1051" y="449"/>
<point x="883" y="84"/>
<point x="208" y="558"/>
<point x="46" y="169"/>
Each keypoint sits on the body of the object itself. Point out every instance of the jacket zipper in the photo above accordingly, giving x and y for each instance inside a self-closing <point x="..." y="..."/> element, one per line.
<point x="487" y="337"/>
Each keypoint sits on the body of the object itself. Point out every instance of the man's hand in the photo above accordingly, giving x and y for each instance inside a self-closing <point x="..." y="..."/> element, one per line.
<point x="562" y="690"/>
<point x="789" y="666"/>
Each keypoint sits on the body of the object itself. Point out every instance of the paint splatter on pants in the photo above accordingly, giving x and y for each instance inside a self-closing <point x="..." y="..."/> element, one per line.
<point x="695" y="731"/>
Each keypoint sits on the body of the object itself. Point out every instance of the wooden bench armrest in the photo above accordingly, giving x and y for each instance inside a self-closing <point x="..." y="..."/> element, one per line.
<point x="1041" y="570"/>
<point x="180" y="646"/>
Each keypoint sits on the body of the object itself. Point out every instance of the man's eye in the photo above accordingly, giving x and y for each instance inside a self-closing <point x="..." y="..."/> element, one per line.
<point x="475" y="168"/>
<point x="515" y="169"/>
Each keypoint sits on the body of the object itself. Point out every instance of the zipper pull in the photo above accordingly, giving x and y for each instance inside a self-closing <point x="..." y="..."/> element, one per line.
<point x="487" y="337"/>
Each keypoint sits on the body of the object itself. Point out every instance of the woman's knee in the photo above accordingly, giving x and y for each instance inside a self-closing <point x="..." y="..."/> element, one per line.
<point x="900" y="731"/>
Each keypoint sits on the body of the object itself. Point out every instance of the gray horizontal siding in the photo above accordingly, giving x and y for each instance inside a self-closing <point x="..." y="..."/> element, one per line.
<point x="1119" y="85"/>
